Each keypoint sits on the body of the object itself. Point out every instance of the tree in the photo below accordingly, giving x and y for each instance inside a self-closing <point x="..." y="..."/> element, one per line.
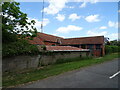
<point x="15" y="23"/>
<point x="115" y="43"/>
<point x="106" y="41"/>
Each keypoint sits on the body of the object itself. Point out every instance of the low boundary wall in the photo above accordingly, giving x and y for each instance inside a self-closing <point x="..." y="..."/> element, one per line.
<point x="25" y="62"/>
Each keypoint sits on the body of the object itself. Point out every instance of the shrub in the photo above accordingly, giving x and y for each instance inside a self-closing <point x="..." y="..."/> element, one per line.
<point x="111" y="49"/>
<point x="20" y="47"/>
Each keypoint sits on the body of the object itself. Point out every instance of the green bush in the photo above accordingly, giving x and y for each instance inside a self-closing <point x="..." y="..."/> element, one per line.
<point x="20" y="47"/>
<point x="111" y="49"/>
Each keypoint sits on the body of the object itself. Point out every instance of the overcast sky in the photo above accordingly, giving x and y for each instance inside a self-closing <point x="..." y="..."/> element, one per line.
<point x="75" y="19"/>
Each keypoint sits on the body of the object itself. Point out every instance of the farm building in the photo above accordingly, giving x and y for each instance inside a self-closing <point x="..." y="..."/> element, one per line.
<point x="94" y="44"/>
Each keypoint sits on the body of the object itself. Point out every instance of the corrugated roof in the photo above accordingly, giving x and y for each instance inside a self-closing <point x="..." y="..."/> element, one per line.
<point x="64" y="48"/>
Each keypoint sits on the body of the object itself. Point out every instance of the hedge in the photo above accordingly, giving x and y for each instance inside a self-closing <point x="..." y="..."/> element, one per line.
<point x="20" y="47"/>
<point x="111" y="49"/>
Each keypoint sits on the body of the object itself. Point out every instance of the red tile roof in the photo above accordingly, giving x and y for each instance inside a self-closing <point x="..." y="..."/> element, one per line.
<point x="36" y="40"/>
<point x="47" y="37"/>
<point x="41" y="37"/>
<point x="83" y="40"/>
<point x="64" y="48"/>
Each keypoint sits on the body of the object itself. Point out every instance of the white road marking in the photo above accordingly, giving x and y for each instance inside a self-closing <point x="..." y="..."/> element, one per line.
<point x="114" y="75"/>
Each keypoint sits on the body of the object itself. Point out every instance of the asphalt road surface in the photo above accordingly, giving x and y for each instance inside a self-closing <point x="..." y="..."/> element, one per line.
<point x="96" y="76"/>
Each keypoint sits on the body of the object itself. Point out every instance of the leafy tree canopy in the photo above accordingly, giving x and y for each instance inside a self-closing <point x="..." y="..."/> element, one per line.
<point x="15" y="23"/>
<point x="115" y="42"/>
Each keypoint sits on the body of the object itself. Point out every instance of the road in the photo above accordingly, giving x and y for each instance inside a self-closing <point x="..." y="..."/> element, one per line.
<point x="96" y="76"/>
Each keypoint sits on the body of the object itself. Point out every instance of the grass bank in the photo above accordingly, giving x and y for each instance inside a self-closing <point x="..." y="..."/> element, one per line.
<point x="12" y="79"/>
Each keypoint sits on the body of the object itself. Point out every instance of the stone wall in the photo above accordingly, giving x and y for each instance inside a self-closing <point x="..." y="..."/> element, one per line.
<point x="26" y="62"/>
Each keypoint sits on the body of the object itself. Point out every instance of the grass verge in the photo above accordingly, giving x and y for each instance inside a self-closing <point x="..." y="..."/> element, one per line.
<point x="12" y="79"/>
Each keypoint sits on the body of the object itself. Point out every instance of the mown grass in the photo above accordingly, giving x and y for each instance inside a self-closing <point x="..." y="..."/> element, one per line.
<point x="12" y="79"/>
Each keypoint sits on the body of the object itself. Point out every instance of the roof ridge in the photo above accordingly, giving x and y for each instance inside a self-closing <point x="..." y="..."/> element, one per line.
<point x="84" y="37"/>
<point x="50" y="35"/>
